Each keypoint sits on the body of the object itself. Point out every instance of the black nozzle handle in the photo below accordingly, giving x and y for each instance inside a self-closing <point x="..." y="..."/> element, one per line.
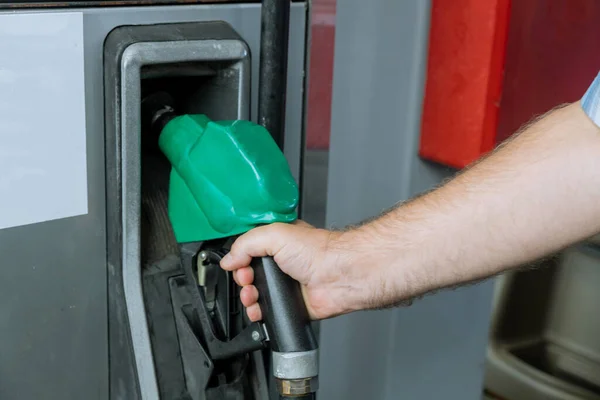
<point x="283" y="309"/>
<point x="291" y="337"/>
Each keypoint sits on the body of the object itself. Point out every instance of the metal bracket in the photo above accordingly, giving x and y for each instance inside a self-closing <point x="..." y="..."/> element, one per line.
<point x="252" y="338"/>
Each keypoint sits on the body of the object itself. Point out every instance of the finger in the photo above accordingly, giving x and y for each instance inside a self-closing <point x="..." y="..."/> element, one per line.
<point x="245" y="276"/>
<point x="254" y="312"/>
<point x="249" y="295"/>
<point x="259" y="242"/>
<point x="235" y="278"/>
<point x="232" y="263"/>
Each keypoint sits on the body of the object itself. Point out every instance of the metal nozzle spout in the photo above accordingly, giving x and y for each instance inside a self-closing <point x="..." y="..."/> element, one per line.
<point x="297" y="388"/>
<point x="156" y="111"/>
<point x="296" y="373"/>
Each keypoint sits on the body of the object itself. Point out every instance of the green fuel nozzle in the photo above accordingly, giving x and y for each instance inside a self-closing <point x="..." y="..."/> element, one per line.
<point x="228" y="177"/>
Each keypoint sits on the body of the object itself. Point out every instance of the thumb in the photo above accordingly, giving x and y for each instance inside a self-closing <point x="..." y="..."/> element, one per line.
<point x="259" y="242"/>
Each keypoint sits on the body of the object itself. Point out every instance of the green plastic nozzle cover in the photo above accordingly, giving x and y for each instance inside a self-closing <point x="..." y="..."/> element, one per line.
<point x="227" y="177"/>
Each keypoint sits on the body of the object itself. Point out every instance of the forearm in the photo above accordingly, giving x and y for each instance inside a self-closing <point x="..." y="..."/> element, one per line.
<point x="537" y="194"/>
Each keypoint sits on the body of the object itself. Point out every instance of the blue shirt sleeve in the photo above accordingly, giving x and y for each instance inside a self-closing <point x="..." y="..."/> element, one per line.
<point x="591" y="101"/>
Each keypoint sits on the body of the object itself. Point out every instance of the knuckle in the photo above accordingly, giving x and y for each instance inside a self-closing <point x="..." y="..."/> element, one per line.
<point x="238" y="245"/>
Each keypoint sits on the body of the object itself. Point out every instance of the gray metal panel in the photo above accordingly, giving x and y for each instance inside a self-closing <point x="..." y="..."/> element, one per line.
<point x="245" y="19"/>
<point x="53" y="318"/>
<point x="53" y="290"/>
<point x="436" y="348"/>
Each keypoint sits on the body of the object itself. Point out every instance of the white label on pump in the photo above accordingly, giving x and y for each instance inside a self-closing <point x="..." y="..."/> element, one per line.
<point x="43" y="174"/>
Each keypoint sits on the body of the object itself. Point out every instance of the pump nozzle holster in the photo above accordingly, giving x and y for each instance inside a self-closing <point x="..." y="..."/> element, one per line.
<point x="228" y="177"/>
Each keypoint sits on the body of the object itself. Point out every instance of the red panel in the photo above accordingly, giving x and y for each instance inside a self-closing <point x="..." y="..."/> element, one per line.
<point x="553" y="55"/>
<point x="320" y="83"/>
<point x="464" y="79"/>
<point x="480" y="91"/>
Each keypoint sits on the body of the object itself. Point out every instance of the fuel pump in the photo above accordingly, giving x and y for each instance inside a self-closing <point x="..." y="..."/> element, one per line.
<point x="129" y="309"/>
<point x="226" y="178"/>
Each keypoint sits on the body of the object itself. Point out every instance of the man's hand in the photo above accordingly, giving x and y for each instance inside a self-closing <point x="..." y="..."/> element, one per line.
<point x="313" y="257"/>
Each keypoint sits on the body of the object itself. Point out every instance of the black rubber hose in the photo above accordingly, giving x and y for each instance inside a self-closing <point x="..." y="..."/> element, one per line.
<point x="275" y="25"/>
